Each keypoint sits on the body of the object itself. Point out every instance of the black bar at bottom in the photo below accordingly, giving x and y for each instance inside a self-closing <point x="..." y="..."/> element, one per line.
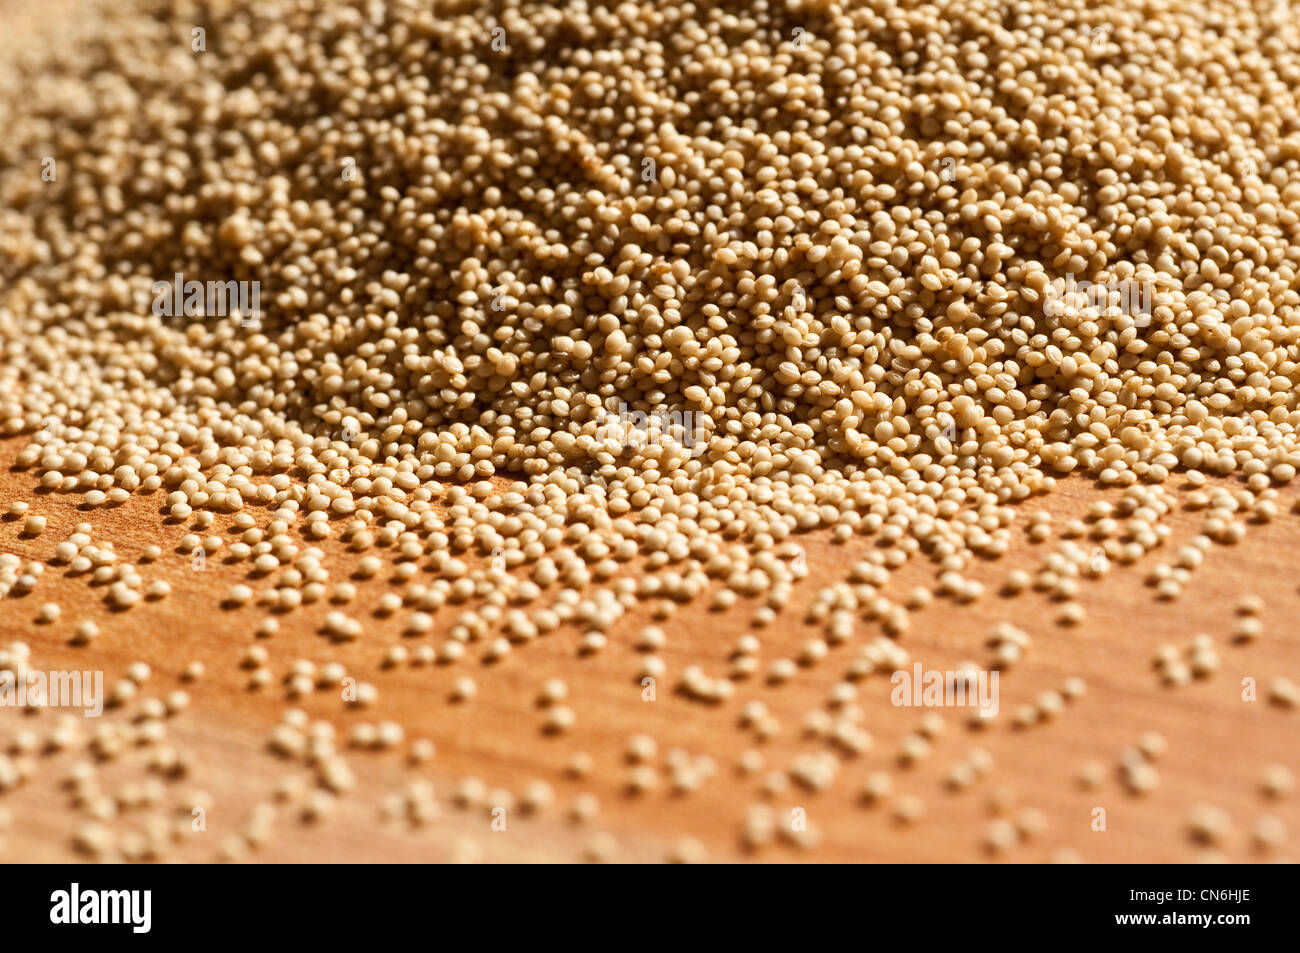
<point x="335" y="904"/>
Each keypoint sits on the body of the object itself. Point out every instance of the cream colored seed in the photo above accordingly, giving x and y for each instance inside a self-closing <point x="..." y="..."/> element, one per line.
<point x="1284" y="693"/>
<point x="422" y="751"/>
<point x="1208" y="824"/>
<point x="781" y="670"/>
<point x="584" y="807"/>
<point x="238" y="594"/>
<point x="1092" y="774"/>
<point x="1073" y="688"/>
<point x="877" y="786"/>
<point x="580" y="765"/>
<point x="600" y="849"/>
<point x="1247" y="629"/>
<point x="688" y="851"/>
<point x="1152" y="745"/>
<point x="908" y="809"/>
<point x="559" y="718"/>
<point x="537" y="796"/>
<point x="1278" y="781"/>
<point x="640" y="779"/>
<point x="914" y="748"/>
<point x="868" y="345"/>
<point x="553" y="690"/>
<point x="1001" y="835"/>
<point x="1250" y="604"/>
<point x="1269" y="832"/>
<point x="641" y="749"/>
<point x="1140" y="778"/>
<point x="139" y="672"/>
<point x="1071" y="614"/>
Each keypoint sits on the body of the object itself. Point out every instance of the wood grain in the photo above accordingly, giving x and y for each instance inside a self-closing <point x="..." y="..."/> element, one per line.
<point x="1218" y="743"/>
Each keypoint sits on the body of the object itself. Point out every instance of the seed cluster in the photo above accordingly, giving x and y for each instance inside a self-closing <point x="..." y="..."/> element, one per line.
<point x="553" y="292"/>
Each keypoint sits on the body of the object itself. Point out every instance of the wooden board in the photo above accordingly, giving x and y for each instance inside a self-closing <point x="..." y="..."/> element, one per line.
<point x="1218" y="744"/>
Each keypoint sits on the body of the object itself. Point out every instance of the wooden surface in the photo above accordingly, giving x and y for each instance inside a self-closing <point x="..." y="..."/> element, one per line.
<point x="1218" y="744"/>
